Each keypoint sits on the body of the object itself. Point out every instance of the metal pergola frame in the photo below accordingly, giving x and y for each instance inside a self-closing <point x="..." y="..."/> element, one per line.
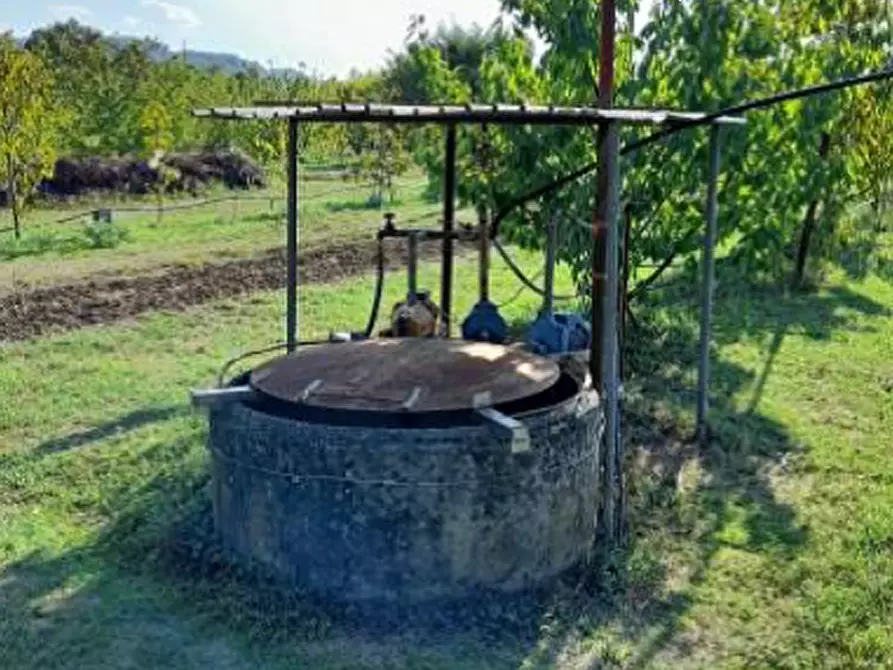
<point x="604" y="355"/>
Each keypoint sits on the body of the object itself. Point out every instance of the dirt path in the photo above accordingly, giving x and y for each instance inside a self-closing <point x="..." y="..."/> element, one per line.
<point x="39" y="311"/>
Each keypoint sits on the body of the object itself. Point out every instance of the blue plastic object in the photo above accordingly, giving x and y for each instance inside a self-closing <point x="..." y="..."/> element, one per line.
<point x="485" y="324"/>
<point x="558" y="334"/>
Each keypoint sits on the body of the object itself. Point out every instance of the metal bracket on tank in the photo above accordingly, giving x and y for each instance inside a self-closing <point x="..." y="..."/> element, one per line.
<point x="518" y="431"/>
<point x="214" y="397"/>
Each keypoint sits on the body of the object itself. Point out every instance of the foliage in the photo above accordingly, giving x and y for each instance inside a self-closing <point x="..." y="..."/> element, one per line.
<point x="381" y="158"/>
<point x="870" y="138"/>
<point x="28" y="124"/>
<point x="104" y="234"/>
<point x="706" y="55"/>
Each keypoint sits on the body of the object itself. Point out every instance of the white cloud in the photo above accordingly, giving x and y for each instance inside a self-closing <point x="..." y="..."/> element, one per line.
<point x="63" y="12"/>
<point x="179" y="14"/>
<point x="131" y="21"/>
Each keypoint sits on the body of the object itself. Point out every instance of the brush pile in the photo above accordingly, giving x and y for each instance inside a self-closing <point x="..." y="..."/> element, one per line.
<point x="173" y="172"/>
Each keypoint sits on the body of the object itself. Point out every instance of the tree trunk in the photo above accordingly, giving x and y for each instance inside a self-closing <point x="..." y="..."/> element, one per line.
<point x="13" y="198"/>
<point x="808" y="228"/>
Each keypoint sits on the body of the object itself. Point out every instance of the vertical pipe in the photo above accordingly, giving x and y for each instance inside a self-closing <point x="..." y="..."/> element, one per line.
<point x="291" y="287"/>
<point x="413" y="271"/>
<point x="707" y="284"/>
<point x="599" y="246"/>
<point x="614" y="513"/>
<point x="449" y="198"/>
<point x="484" y="250"/>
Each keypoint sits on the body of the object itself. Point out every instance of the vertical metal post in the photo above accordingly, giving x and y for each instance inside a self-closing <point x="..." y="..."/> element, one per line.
<point x="449" y="203"/>
<point x="291" y="287"/>
<point x="614" y="512"/>
<point x="599" y="242"/>
<point x="412" y="273"/>
<point x="484" y="254"/>
<point x="707" y="284"/>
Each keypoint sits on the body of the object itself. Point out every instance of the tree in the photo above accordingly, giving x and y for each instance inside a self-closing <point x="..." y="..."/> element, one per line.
<point x="28" y="123"/>
<point x="704" y="54"/>
<point x="383" y="159"/>
<point x="156" y="124"/>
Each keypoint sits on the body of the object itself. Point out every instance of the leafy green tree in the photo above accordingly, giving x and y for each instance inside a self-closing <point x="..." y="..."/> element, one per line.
<point x="383" y="160"/>
<point x="78" y="58"/>
<point x="700" y="55"/>
<point x="28" y="123"/>
<point x="157" y="125"/>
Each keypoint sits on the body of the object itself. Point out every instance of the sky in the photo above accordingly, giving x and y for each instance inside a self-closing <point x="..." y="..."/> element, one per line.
<point x="329" y="36"/>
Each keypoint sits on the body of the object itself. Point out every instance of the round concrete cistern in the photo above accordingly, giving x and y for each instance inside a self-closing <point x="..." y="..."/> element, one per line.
<point x="369" y="472"/>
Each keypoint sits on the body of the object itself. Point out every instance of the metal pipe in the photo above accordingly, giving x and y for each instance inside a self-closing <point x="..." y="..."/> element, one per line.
<point x="484" y="258"/>
<point x="291" y="287"/>
<point x="449" y="197"/>
<point x="600" y="216"/>
<point x="413" y="269"/>
<point x="614" y="512"/>
<point x="708" y="284"/>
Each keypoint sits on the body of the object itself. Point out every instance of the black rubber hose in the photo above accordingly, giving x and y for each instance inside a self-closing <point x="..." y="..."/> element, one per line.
<point x="524" y="279"/>
<point x="221" y="376"/>
<point x="684" y="125"/>
<point x="379" y="288"/>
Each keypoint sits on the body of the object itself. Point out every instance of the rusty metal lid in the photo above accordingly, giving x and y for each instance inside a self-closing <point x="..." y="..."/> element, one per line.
<point x="405" y="375"/>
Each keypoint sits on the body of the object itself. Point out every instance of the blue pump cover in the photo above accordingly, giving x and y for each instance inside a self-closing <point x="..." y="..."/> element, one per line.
<point x="485" y="324"/>
<point x="558" y="334"/>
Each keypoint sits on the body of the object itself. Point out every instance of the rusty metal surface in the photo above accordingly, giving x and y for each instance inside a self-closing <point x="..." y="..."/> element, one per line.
<point x="405" y="375"/>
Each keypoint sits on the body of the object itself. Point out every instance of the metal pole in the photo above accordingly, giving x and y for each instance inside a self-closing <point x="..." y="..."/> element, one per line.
<point x="291" y="287"/>
<point x="484" y="251"/>
<point x="413" y="270"/>
<point x="449" y="198"/>
<point x="614" y="512"/>
<point x="599" y="242"/>
<point x="708" y="284"/>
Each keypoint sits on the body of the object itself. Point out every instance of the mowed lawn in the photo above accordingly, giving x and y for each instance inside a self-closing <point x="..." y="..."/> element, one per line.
<point x="772" y="547"/>
<point x="331" y="212"/>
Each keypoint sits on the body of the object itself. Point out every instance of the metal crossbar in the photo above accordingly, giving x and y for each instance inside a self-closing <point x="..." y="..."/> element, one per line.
<point x="471" y="113"/>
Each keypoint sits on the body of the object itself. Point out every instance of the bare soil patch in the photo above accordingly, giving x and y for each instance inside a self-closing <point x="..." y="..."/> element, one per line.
<point x="39" y="311"/>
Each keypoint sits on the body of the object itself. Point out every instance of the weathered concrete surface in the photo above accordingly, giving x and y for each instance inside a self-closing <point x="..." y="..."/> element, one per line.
<point x="384" y="514"/>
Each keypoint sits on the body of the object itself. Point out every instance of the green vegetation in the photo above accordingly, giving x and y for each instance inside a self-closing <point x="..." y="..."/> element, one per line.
<point x="97" y="471"/>
<point x="771" y="548"/>
<point x="28" y="122"/>
<point x="332" y="212"/>
<point x="794" y="172"/>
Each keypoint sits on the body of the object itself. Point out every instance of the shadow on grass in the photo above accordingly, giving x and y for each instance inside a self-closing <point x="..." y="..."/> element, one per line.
<point x="123" y="424"/>
<point x="629" y="606"/>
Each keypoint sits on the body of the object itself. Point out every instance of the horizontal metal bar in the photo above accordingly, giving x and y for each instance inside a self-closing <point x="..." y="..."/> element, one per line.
<point x="212" y="397"/>
<point x="471" y="113"/>
<point x="517" y="430"/>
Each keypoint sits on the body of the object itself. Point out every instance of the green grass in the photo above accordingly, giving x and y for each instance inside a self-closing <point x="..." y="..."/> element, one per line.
<point x="100" y="456"/>
<point x="770" y="548"/>
<point x="52" y="252"/>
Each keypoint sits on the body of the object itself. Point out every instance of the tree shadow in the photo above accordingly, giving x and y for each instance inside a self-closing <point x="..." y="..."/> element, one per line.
<point x="122" y="424"/>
